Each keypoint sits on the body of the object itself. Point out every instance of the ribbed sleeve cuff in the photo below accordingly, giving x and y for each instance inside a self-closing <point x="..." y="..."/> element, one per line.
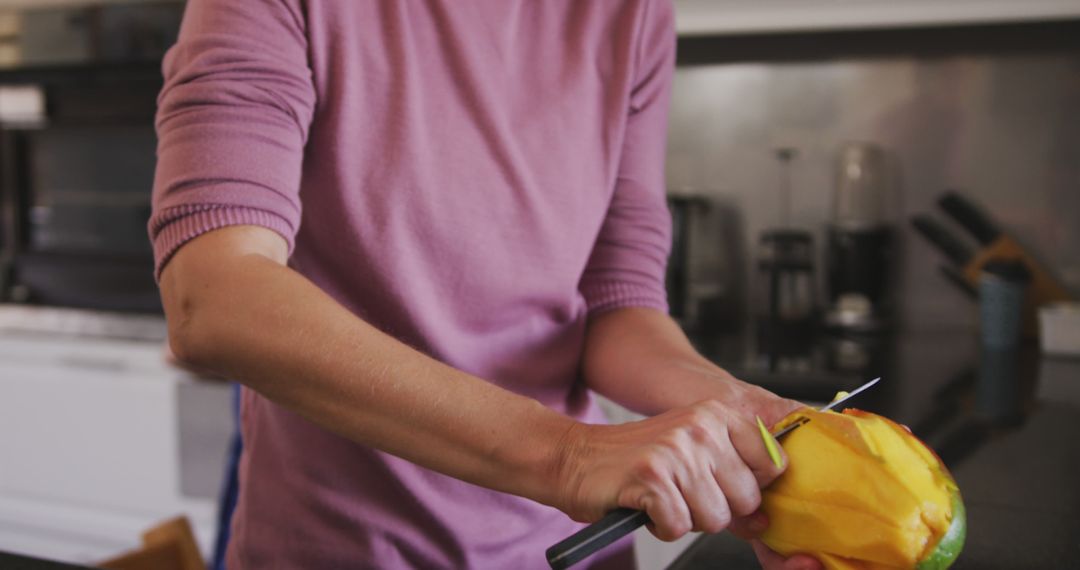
<point x="603" y="297"/>
<point x="173" y="227"/>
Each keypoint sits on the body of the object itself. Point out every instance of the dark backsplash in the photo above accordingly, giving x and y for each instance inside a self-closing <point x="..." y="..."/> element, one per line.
<point x="991" y="111"/>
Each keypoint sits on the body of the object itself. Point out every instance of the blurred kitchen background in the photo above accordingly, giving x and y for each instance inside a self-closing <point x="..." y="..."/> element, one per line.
<point x="805" y="137"/>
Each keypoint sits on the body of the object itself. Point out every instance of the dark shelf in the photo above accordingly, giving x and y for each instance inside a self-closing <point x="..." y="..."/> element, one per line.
<point x="91" y="73"/>
<point x="941" y="41"/>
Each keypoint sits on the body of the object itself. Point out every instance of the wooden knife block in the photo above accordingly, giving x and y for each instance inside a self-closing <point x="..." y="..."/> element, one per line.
<point x="168" y="546"/>
<point x="1043" y="289"/>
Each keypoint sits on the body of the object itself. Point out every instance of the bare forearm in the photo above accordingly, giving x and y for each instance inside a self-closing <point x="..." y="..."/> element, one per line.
<point x="641" y="359"/>
<point x="259" y="322"/>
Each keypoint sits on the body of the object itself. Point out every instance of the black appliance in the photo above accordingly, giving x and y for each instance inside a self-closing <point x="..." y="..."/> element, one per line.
<point x="700" y="292"/>
<point x="76" y="176"/>
<point x="685" y="215"/>
<point x="859" y="248"/>
<point x="859" y="273"/>
<point x="788" y="286"/>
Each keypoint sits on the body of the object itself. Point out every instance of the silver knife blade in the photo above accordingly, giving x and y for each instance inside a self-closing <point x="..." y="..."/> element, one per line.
<point x="830" y="406"/>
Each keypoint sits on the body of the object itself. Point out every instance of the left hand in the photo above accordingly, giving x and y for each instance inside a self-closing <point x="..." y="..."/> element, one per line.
<point x="746" y="398"/>
<point x="749" y="528"/>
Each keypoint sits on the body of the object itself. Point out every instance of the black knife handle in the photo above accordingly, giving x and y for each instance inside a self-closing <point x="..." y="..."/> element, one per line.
<point x="956" y="250"/>
<point x="957" y="278"/>
<point x="970" y="217"/>
<point x="580" y="545"/>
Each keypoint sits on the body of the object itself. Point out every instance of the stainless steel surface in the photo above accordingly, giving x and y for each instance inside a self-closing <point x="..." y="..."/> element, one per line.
<point x="1003" y="128"/>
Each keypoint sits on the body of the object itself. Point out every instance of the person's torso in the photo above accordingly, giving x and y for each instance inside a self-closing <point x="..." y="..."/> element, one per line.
<point x="458" y="169"/>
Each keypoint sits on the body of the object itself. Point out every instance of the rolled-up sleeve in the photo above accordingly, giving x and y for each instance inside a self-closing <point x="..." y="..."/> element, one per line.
<point x="628" y="262"/>
<point x="232" y="121"/>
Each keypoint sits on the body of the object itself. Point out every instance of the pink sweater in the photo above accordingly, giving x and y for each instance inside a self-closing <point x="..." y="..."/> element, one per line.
<point x="474" y="177"/>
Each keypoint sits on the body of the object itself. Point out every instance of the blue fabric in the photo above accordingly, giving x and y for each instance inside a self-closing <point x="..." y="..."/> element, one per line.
<point x="229" y="488"/>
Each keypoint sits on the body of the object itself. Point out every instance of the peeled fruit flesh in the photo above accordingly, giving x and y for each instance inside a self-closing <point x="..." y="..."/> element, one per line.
<point x="861" y="492"/>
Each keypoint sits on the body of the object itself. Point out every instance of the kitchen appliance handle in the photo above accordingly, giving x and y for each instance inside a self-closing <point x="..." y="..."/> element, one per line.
<point x="970" y="217"/>
<point x="578" y="546"/>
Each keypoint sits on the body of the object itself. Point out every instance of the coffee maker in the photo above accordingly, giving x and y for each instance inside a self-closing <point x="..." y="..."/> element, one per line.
<point x="859" y="243"/>
<point x="786" y="308"/>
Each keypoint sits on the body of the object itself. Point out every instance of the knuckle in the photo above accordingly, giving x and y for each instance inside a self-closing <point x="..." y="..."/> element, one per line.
<point x="698" y="432"/>
<point x="712" y="405"/>
<point x="648" y="471"/>
<point x="697" y="416"/>
<point x="672" y="441"/>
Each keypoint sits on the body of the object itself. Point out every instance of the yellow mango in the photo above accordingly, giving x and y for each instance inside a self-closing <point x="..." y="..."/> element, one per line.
<point x="862" y="492"/>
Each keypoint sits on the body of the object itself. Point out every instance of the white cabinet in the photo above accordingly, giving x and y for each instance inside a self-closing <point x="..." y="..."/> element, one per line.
<point x="91" y="445"/>
<point x="703" y="17"/>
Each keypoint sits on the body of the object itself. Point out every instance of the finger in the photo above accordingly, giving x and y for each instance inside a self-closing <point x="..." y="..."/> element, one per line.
<point x="738" y="482"/>
<point x="772" y="408"/>
<point x="780" y="408"/>
<point x="770" y="560"/>
<point x="749" y="527"/>
<point x="708" y="506"/>
<point x="748" y="443"/>
<point x="803" y="562"/>
<point x="668" y="512"/>
<point x="706" y="499"/>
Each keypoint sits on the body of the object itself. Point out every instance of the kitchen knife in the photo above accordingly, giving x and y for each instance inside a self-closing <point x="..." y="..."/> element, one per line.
<point x="623" y="521"/>
<point x="967" y="215"/>
<point x="999" y="245"/>
<point x="956" y="250"/>
<point x="956" y="277"/>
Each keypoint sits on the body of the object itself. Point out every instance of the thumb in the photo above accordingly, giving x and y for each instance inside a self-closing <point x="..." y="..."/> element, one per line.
<point x="777" y="408"/>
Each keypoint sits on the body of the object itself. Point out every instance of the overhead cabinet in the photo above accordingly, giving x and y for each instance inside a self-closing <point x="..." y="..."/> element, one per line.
<point x="717" y="17"/>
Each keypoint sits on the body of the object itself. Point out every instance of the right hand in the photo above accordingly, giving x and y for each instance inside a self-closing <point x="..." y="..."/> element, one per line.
<point x="690" y="469"/>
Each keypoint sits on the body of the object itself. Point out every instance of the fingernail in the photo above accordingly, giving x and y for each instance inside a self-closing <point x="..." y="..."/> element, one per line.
<point x="770" y="443"/>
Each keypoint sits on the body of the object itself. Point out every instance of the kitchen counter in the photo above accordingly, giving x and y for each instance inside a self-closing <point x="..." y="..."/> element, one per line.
<point x="1006" y="425"/>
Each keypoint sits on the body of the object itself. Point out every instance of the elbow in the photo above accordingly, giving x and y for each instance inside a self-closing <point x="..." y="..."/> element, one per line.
<point x="183" y="340"/>
<point x="190" y="327"/>
<point x="204" y="290"/>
